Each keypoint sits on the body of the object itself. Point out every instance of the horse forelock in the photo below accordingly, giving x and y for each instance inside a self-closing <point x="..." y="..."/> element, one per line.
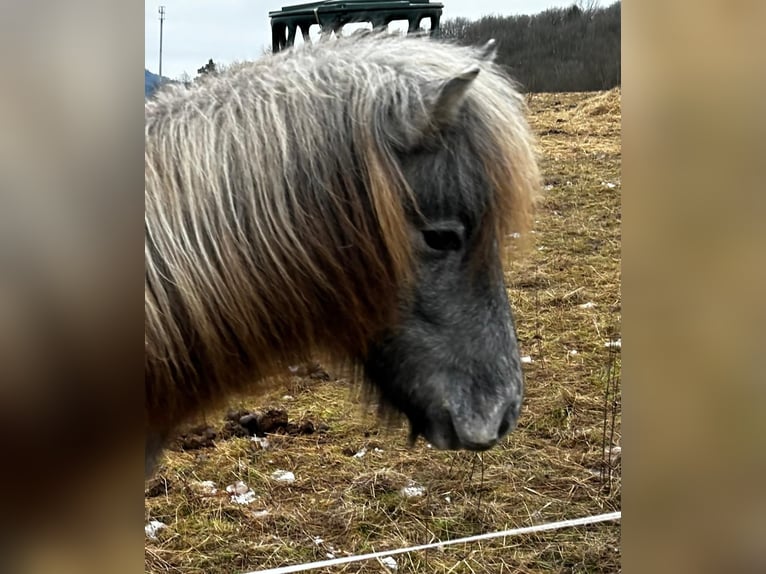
<point x="277" y="210"/>
<point x="484" y="161"/>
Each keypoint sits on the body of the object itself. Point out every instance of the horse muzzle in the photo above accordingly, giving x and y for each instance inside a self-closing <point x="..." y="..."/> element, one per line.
<point x="472" y="424"/>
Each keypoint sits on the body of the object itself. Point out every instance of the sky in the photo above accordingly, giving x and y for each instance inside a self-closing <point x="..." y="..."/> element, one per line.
<point x="236" y="30"/>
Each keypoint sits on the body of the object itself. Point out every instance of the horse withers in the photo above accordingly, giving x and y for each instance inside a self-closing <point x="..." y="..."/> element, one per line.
<point x="352" y="199"/>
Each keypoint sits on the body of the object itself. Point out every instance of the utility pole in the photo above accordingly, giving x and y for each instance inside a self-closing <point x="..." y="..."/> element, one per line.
<point x="162" y="22"/>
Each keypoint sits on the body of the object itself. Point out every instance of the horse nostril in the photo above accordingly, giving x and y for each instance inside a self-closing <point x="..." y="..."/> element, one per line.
<point x="509" y="419"/>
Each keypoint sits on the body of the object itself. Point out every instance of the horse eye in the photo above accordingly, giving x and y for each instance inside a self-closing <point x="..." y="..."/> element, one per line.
<point x="442" y="239"/>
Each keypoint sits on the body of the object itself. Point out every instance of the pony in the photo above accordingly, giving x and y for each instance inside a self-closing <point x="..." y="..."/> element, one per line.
<point x="353" y="199"/>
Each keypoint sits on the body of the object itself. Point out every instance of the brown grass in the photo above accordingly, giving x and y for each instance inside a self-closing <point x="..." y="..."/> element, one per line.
<point x="551" y="468"/>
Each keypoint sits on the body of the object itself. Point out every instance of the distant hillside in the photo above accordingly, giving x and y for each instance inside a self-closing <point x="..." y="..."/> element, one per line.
<point x="575" y="49"/>
<point x="152" y="82"/>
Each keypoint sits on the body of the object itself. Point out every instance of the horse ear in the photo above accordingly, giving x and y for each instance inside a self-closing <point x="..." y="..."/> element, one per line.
<point x="489" y="51"/>
<point x="450" y="98"/>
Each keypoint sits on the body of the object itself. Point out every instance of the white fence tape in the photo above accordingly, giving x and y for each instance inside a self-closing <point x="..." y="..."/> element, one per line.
<point x="515" y="531"/>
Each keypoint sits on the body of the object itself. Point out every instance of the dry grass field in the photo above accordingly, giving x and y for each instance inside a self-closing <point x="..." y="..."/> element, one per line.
<point x="350" y="490"/>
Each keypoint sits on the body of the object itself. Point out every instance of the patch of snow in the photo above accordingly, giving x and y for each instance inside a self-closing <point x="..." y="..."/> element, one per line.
<point x="572" y="352"/>
<point x="588" y="305"/>
<point x="413" y="490"/>
<point x="259" y="513"/>
<point x="361" y="453"/>
<point x="608" y="185"/>
<point x="153" y="527"/>
<point x="206" y="487"/>
<point x="448" y="499"/>
<point x="238" y="487"/>
<point x="263" y="442"/>
<point x="389" y="563"/>
<point x="330" y="556"/>
<point x="616" y="344"/>
<point x="245" y="498"/>
<point x="288" y="398"/>
<point x="283" y="476"/>
<point x="241" y="493"/>
<point x="615" y="454"/>
<point x="318" y="540"/>
<point x="376" y="449"/>
<point x="526" y="359"/>
<point x="548" y="187"/>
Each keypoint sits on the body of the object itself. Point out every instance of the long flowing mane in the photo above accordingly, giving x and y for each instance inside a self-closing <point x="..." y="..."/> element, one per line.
<point x="278" y="217"/>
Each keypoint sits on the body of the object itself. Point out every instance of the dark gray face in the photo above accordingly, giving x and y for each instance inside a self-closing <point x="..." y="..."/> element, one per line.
<point x="452" y="363"/>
